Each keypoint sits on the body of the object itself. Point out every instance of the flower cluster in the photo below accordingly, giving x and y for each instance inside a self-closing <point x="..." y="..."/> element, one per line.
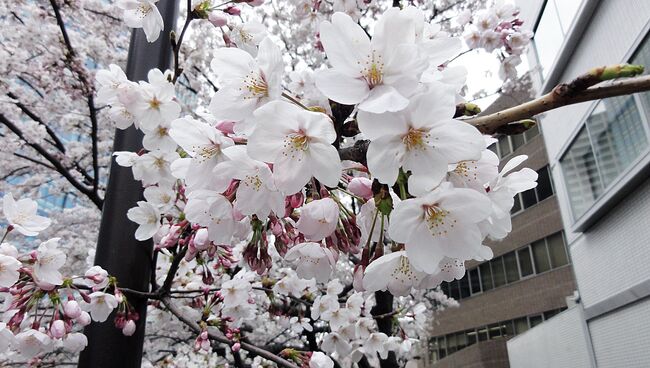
<point x="43" y="310"/>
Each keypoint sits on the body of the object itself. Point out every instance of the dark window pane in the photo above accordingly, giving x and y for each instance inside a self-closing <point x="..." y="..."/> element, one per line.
<point x="451" y="343"/>
<point x="550" y="314"/>
<point x="486" y="276"/>
<point x="512" y="271"/>
<point x="443" y="353"/>
<point x="453" y="289"/>
<point x="540" y="256"/>
<point x="544" y="186"/>
<point x="464" y="287"/>
<point x="471" y="337"/>
<point x="517" y="141"/>
<point x="445" y="288"/>
<point x="442" y="344"/>
<point x="493" y="148"/>
<point x="482" y="334"/>
<point x="475" y="283"/>
<point x="498" y="273"/>
<point x="535" y="320"/>
<point x="525" y="263"/>
<point x="461" y="340"/>
<point x="528" y="198"/>
<point x="504" y="146"/>
<point x="509" y="328"/>
<point x="521" y="325"/>
<point x="495" y="330"/>
<point x="557" y="250"/>
<point x="517" y="206"/>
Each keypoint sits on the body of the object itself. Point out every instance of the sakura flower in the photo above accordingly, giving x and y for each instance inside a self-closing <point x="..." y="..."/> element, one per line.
<point x="148" y="217"/>
<point x="110" y="82"/>
<point x="248" y="36"/>
<point x="246" y="83"/>
<point x="207" y="208"/>
<point x="71" y="309"/>
<point x="32" y="342"/>
<point x="129" y="328"/>
<point x="421" y="138"/>
<point x="154" y="101"/>
<point x="474" y="173"/>
<point x="161" y="197"/>
<point x="335" y="343"/>
<point x="256" y="193"/>
<point x="49" y="260"/>
<point x="298" y="144"/>
<point x="155" y="167"/>
<point x="501" y="192"/>
<point x="7" y="337"/>
<point x="441" y="223"/>
<point x="101" y="305"/>
<point x="392" y="272"/>
<point x="22" y="215"/>
<point x="96" y="278"/>
<point x="9" y="267"/>
<point x="376" y="343"/>
<point x="338" y="318"/>
<point x="239" y="313"/>
<point x="204" y="144"/>
<point x="323" y="305"/>
<point x="361" y="187"/>
<point x="318" y="219"/>
<point x="377" y="74"/>
<point x="320" y="360"/>
<point x="235" y="292"/>
<point x="158" y="138"/>
<point x="75" y="342"/>
<point x="143" y="14"/>
<point x="313" y="261"/>
<point x="57" y="330"/>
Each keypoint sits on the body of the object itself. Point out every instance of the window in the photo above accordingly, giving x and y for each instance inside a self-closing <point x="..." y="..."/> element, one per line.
<point x="525" y="263"/>
<point x="521" y="325"/>
<point x="552" y="29"/>
<point x="612" y="139"/>
<point x="540" y="256"/>
<point x="507" y="144"/>
<point x="557" y="250"/>
<point x="512" y="271"/>
<point x="535" y="320"/>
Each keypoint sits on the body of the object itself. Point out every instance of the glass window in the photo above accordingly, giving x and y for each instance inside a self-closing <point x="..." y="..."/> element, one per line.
<point x="442" y="347"/>
<point x="517" y="141"/>
<point x="550" y="314"/>
<point x="521" y="325"/>
<point x="464" y="287"/>
<point x="498" y="273"/>
<point x="531" y="133"/>
<point x="483" y="334"/>
<point x="540" y="256"/>
<point x="557" y="250"/>
<point x="508" y="328"/>
<point x="517" y="206"/>
<point x="580" y="174"/>
<point x="544" y="188"/>
<point x="528" y="198"/>
<point x="461" y="340"/>
<point x="451" y="343"/>
<point x="642" y="56"/>
<point x="525" y="263"/>
<point x="486" y="276"/>
<point x="512" y="271"/>
<point x="454" y="292"/>
<point x="535" y="320"/>
<point x="504" y="146"/>
<point x="495" y="330"/>
<point x="548" y="37"/>
<point x="471" y="337"/>
<point x="474" y="281"/>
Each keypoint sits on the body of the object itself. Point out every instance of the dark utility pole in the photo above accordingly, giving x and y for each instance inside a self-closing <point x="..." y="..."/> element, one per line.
<point x="118" y="252"/>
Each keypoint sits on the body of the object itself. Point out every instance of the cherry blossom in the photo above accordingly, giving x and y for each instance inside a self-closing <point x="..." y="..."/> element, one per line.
<point x="101" y="305"/>
<point x="143" y="14"/>
<point x="9" y="267"/>
<point x="318" y="219"/>
<point x="22" y="215"/>
<point x="313" y="261"/>
<point x="147" y="216"/>
<point x="49" y="259"/>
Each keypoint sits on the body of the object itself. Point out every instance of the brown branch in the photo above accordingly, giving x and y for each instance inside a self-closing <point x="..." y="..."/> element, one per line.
<point x="176" y="44"/>
<point x="173" y="309"/>
<point x="559" y="97"/>
<point x="57" y="141"/>
<point x="54" y="161"/>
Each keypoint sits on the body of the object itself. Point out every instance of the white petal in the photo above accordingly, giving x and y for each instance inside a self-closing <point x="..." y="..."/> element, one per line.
<point x="383" y="98"/>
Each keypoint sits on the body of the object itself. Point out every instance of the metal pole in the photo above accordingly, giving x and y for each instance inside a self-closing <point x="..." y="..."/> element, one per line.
<point x="117" y="250"/>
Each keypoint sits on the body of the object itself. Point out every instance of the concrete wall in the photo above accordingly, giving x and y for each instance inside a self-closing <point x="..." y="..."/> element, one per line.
<point x="561" y="341"/>
<point x="485" y="354"/>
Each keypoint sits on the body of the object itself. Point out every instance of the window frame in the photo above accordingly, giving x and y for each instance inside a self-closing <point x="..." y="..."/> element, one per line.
<point x="637" y="171"/>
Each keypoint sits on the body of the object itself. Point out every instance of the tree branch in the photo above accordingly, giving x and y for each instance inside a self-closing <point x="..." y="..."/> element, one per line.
<point x="173" y="309"/>
<point x="558" y="97"/>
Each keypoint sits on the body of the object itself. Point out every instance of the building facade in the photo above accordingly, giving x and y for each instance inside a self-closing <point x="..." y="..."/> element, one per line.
<point x="599" y="159"/>
<point x="527" y="282"/>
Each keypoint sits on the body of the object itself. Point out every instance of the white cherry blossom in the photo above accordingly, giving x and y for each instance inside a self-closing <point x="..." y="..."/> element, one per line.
<point x="143" y="14"/>
<point x="210" y="209"/>
<point x="9" y="267"/>
<point x="318" y="219"/>
<point x="49" y="259"/>
<point x="148" y="217"/>
<point x="298" y="143"/>
<point x="101" y="305"/>
<point x="22" y="215"/>
<point x="313" y="260"/>
<point x="392" y="272"/>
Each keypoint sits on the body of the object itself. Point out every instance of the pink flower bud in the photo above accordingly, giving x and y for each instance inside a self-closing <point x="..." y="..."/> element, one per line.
<point x="57" y="329"/>
<point x="217" y="19"/>
<point x="361" y="187"/>
<point x="201" y="241"/>
<point x="83" y="319"/>
<point x="236" y="346"/>
<point x="232" y="10"/>
<point x="226" y="126"/>
<point x="72" y="309"/>
<point x="129" y="328"/>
